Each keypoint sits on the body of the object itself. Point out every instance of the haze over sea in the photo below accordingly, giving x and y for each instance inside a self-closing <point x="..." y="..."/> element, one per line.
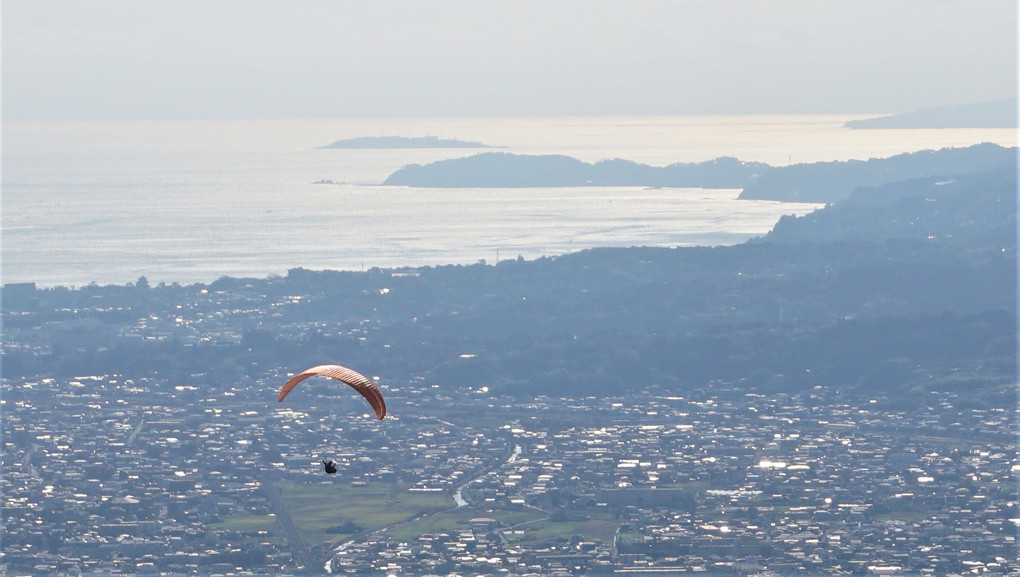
<point x="109" y="202"/>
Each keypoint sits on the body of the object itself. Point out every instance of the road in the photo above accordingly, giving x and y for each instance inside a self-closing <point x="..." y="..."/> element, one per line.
<point x="298" y="546"/>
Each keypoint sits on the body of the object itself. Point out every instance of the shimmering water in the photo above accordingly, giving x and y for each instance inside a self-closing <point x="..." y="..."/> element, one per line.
<point x="194" y="201"/>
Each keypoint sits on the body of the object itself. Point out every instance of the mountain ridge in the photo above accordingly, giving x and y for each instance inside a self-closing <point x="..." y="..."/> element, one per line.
<point x="824" y="182"/>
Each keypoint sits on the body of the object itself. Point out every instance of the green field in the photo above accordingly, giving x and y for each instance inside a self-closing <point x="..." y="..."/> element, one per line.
<point x="592" y="529"/>
<point x="317" y="507"/>
<point x="517" y="525"/>
<point x="327" y="513"/>
<point x="455" y="520"/>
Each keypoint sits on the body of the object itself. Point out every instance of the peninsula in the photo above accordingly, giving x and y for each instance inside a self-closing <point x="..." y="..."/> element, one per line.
<point x="506" y="170"/>
<point x="815" y="182"/>
<point x="996" y="114"/>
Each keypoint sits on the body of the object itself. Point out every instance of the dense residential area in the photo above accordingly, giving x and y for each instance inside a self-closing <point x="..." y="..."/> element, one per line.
<point x="110" y="474"/>
<point x="164" y="468"/>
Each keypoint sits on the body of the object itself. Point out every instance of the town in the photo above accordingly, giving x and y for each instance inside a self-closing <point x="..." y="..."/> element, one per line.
<point x="108" y="474"/>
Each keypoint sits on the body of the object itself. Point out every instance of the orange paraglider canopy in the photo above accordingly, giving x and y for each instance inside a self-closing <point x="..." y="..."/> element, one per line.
<point x="356" y="380"/>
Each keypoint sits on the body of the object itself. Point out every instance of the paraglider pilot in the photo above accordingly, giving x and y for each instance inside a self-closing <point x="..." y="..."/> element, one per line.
<point x="330" y="466"/>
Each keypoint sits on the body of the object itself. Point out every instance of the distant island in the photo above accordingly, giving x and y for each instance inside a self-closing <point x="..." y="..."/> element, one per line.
<point x="816" y="182"/>
<point x="996" y="114"/>
<point x="405" y="142"/>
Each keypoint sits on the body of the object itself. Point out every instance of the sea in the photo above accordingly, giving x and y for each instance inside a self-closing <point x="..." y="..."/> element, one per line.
<point x="193" y="201"/>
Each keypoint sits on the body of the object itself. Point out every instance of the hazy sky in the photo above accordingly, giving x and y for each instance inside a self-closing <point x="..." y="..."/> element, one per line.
<point x="153" y="59"/>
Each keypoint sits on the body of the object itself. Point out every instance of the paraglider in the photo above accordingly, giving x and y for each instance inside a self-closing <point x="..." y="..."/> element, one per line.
<point x="354" y="379"/>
